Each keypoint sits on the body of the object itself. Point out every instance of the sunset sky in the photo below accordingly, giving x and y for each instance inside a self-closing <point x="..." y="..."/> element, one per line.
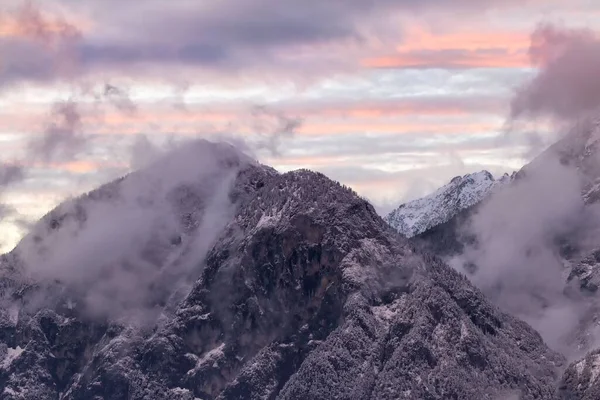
<point x="392" y="97"/>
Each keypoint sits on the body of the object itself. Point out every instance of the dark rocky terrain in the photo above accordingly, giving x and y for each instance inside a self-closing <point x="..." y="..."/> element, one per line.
<point x="302" y="292"/>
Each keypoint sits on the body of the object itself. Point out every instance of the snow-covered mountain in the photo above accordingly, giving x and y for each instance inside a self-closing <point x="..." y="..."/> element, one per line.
<point x="462" y="192"/>
<point x="298" y="291"/>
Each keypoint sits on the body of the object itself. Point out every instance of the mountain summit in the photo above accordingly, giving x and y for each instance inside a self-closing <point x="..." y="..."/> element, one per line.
<point x="462" y="192"/>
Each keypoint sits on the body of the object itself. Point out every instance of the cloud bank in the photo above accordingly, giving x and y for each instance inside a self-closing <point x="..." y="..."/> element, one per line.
<point x="124" y="249"/>
<point x="524" y="230"/>
<point x="566" y="86"/>
<point x="44" y="46"/>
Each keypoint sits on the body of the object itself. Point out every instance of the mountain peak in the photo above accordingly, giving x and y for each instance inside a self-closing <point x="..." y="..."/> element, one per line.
<point x="417" y="216"/>
<point x="474" y="176"/>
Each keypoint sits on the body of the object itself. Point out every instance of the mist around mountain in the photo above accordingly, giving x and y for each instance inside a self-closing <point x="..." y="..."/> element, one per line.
<point x="233" y="281"/>
<point x="530" y="242"/>
<point x="532" y="245"/>
<point x="207" y="275"/>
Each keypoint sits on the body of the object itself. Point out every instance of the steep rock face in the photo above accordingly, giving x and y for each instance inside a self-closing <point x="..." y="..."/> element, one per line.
<point x="587" y="272"/>
<point x="580" y="380"/>
<point x="448" y="238"/>
<point x="418" y="216"/>
<point x="306" y="293"/>
<point x="437" y="340"/>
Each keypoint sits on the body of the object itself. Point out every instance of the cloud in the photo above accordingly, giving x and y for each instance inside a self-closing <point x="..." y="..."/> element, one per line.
<point x="36" y="47"/>
<point x="213" y="35"/>
<point x="517" y="251"/>
<point x="65" y="134"/>
<point x="10" y="173"/>
<point x="441" y="105"/>
<point x="451" y="59"/>
<point x="143" y="152"/>
<point x="123" y="257"/>
<point x="119" y="98"/>
<point x="127" y="117"/>
<point x="222" y="36"/>
<point x="63" y="137"/>
<point x="519" y="232"/>
<point x="272" y="127"/>
<point x="227" y="33"/>
<point x="316" y="128"/>
<point x="461" y="47"/>
<point x="566" y="86"/>
<point x="28" y="22"/>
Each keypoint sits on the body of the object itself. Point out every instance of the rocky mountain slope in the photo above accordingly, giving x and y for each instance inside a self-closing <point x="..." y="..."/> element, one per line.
<point x="577" y="248"/>
<point x="580" y="149"/>
<point x="302" y="292"/>
<point x="462" y="192"/>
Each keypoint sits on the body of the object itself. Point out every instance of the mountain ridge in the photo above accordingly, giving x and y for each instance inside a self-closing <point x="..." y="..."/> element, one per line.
<point x="305" y="292"/>
<point x="417" y="216"/>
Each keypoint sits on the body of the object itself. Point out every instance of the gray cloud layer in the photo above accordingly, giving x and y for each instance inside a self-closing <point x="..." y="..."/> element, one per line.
<point x="232" y="34"/>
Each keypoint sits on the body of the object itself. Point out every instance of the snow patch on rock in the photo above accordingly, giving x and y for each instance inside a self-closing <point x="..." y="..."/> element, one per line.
<point x="11" y="355"/>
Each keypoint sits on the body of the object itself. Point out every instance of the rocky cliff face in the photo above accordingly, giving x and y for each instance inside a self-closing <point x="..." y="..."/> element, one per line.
<point x="580" y="380"/>
<point x="303" y="293"/>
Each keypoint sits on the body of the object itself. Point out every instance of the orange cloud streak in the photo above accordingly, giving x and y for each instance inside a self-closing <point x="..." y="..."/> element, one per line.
<point x="206" y="123"/>
<point x="466" y="60"/>
<point x="464" y="49"/>
<point x="29" y="22"/>
<point x="426" y="107"/>
<point x="80" y="166"/>
<point x="323" y="119"/>
<point x="316" y="128"/>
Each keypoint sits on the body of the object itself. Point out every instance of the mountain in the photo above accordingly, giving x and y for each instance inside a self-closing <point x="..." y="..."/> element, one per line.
<point x="439" y="221"/>
<point x="298" y="290"/>
<point x="578" y="150"/>
<point x="462" y="192"/>
<point x="551" y="211"/>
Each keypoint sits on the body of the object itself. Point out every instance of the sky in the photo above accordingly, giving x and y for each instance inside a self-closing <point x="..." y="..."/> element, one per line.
<point x="391" y="97"/>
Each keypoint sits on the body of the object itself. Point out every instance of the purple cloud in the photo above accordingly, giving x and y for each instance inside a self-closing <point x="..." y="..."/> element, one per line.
<point x="566" y="86"/>
<point x="220" y="34"/>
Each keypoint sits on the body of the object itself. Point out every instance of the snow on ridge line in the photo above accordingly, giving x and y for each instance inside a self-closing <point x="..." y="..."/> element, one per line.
<point x="11" y="355"/>
<point x="417" y="216"/>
